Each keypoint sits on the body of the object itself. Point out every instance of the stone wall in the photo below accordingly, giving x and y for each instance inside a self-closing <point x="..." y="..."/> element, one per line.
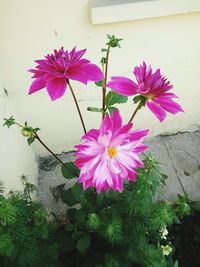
<point x="179" y="156"/>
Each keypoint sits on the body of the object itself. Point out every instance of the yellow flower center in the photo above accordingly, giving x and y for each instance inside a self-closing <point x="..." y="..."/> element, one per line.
<point x="112" y="152"/>
<point x="150" y="96"/>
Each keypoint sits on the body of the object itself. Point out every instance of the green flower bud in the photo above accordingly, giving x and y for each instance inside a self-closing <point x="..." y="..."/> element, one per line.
<point x="27" y="132"/>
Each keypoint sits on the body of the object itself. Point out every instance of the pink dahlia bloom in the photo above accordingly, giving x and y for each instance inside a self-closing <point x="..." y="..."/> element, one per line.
<point x="110" y="155"/>
<point x="56" y="69"/>
<point x="153" y="86"/>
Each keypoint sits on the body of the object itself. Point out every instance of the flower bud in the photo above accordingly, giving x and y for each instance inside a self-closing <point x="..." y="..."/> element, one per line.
<point x="27" y="132"/>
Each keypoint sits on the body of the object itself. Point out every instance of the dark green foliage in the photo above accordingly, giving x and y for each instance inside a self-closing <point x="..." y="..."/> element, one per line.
<point x="123" y="229"/>
<point x="185" y="235"/>
<point x="106" y="230"/>
<point x="24" y="231"/>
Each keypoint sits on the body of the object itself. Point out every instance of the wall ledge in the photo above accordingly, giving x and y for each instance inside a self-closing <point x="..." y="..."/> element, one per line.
<point x="110" y="11"/>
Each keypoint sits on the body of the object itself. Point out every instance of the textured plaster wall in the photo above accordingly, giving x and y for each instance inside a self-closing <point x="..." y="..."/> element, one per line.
<point x="30" y="29"/>
<point x="16" y="158"/>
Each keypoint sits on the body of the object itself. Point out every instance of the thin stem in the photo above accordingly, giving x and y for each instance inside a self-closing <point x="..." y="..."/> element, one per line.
<point x="42" y="143"/>
<point x="77" y="106"/>
<point x="19" y="124"/>
<point x="105" y="82"/>
<point x="50" y="151"/>
<point x="135" y="112"/>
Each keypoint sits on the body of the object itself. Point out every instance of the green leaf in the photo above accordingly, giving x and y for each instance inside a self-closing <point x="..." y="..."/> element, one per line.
<point x="176" y="264"/>
<point x="70" y="227"/>
<point x="104" y="50"/>
<point x="70" y="171"/>
<point x="77" y="190"/>
<point x="93" y="109"/>
<point x="111" y="110"/>
<point x="115" y="98"/>
<point x="71" y="216"/>
<point x="69" y="198"/>
<point x="68" y="244"/>
<point x="83" y="243"/>
<point x="140" y="98"/>
<point x="137" y="99"/>
<point x="36" y="129"/>
<point x="30" y="140"/>
<point x="80" y="216"/>
<point x="76" y="235"/>
<point x="103" y="60"/>
<point x="9" y="122"/>
<point x="99" y="83"/>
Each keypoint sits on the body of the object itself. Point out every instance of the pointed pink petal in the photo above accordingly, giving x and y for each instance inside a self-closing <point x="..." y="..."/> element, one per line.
<point x="157" y="110"/>
<point x="124" y="129"/>
<point x="76" y="55"/>
<point x="140" y="149"/>
<point x="84" y="73"/>
<point x="123" y="85"/>
<point x="80" y="162"/>
<point x="56" y="88"/>
<point x="138" y="134"/>
<point x="117" y="120"/>
<point x="131" y="176"/>
<point x="169" y="105"/>
<point x="92" y="134"/>
<point x="36" y="85"/>
<point x="106" y="124"/>
<point x="168" y="95"/>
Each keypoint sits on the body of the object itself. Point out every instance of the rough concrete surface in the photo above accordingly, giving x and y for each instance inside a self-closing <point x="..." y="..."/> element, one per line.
<point x="179" y="156"/>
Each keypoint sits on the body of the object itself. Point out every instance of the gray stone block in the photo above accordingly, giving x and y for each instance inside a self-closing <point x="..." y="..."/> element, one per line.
<point x="179" y="156"/>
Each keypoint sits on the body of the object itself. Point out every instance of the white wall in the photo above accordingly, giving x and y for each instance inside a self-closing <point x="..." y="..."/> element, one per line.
<point x="16" y="158"/>
<point x="32" y="28"/>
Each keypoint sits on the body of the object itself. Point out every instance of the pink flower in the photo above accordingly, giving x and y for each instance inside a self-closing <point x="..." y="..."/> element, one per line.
<point x="56" y="69"/>
<point x="153" y="86"/>
<point x="110" y="155"/>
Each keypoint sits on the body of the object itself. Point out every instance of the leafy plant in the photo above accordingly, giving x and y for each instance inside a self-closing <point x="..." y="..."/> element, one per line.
<point x="121" y="229"/>
<point x="24" y="232"/>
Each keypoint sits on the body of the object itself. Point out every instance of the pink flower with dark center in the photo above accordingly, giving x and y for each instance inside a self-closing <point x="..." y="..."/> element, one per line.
<point x="57" y="69"/>
<point x="153" y="86"/>
<point x="109" y="155"/>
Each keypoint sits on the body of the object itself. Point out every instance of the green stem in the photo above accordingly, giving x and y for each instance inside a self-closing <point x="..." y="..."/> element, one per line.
<point x="77" y="106"/>
<point x="135" y="111"/>
<point x="105" y="82"/>
<point x="47" y="148"/>
<point x="43" y="144"/>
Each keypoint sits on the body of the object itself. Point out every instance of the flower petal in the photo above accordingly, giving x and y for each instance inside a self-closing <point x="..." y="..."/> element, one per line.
<point x="117" y="120"/>
<point x="138" y="134"/>
<point x="76" y="55"/>
<point x="36" y="85"/>
<point x="169" y="105"/>
<point x="157" y="110"/>
<point x="123" y="85"/>
<point x="56" y="88"/>
<point x="84" y="73"/>
<point x="90" y="135"/>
